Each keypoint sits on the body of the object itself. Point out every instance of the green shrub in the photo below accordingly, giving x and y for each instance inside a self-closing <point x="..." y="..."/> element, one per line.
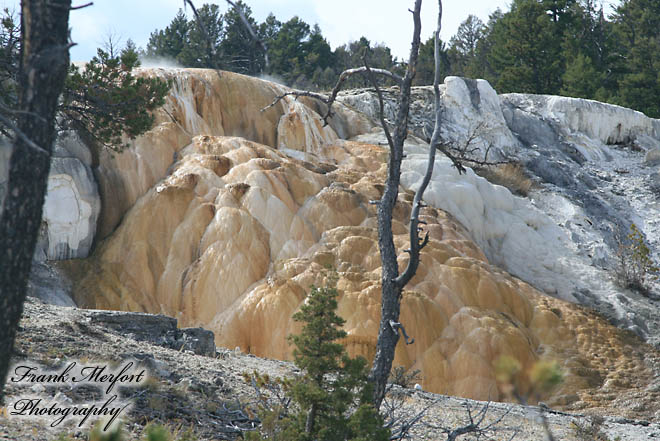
<point x="401" y="377"/>
<point x="635" y="266"/>
<point x="592" y="430"/>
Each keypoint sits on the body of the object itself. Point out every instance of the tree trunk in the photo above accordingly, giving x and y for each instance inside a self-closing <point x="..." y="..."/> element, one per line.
<point x="43" y="67"/>
<point x="392" y="284"/>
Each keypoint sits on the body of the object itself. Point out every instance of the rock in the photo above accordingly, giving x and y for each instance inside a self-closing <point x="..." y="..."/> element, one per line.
<point x="471" y="107"/>
<point x="157" y="329"/>
<point x="209" y="102"/>
<point x="231" y="234"/>
<point x="199" y="340"/>
<point x="72" y="202"/>
<point x="607" y="123"/>
<point x="49" y="285"/>
<point x="232" y="204"/>
<point x="652" y="157"/>
<point x="70" y="211"/>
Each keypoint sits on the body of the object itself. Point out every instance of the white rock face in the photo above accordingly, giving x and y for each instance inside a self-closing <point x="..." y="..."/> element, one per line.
<point x="513" y="233"/>
<point x="608" y="123"/>
<point x="587" y="160"/>
<point x="314" y="135"/>
<point x="588" y="126"/>
<point x="473" y="107"/>
<point x="72" y="204"/>
<point x="652" y="157"/>
<point x="470" y="107"/>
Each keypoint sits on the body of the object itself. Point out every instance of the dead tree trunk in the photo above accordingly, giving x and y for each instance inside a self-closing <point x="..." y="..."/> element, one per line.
<point x="43" y="67"/>
<point x="393" y="282"/>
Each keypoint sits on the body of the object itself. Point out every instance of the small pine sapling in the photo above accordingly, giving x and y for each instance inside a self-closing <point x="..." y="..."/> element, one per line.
<point x="332" y="396"/>
<point x="635" y="266"/>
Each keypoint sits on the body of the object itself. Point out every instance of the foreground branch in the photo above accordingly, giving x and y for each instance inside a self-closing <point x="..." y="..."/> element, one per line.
<point x="329" y="100"/>
<point x="44" y="61"/>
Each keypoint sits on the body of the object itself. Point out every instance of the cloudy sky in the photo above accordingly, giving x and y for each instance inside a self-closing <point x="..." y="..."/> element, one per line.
<point x="385" y="21"/>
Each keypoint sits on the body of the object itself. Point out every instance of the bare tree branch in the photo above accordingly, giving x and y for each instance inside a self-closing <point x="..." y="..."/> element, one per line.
<point x="415" y="244"/>
<point x="9" y="123"/>
<point x="298" y="93"/>
<point x="396" y="326"/>
<point x="381" y="105"/>
<point x="73" y="8"/>
<point x="476" y="424"/>
<point x="391" y="290"/>
<point x="333" y="95"/>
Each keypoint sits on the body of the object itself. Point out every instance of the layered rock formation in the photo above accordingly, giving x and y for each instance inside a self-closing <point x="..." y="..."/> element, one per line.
<point x="236" y="231"/>
<point x="592" y="180"/>
<point x="206" y="102"/>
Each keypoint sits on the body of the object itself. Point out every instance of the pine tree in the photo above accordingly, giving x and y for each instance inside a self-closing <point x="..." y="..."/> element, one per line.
<point x="238" y="50"/>
<point x="130" y="54"/>
<point x="526" y="52"/>
<point x="426" y="63"/>
<point x="333" y="388"/>
<point x="106" y="100"/>
<point x="204" y="35"/>
<point x="637" y="23"/>
<point x="170" y="42"/>
<point x="581" y="79"/>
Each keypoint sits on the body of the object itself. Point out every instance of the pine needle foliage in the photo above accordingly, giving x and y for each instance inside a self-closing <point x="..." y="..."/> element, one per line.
<point x="330" y="394"/>
<point x="106" y="100"/>
<point x="636" y="266"/>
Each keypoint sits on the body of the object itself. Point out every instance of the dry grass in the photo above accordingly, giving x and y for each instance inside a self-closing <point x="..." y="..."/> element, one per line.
<point x="511" y="176"/>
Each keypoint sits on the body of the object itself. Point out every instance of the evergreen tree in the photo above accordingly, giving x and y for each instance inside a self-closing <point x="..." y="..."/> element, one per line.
<point x="581" y="79"/>
<point x="589" y="51"/>
<point x="288" y="50"/>
<point x="318" y="53"/>
<point x="333" y="387"/>
<point x="426" y="63"/>
<point x="351" y="55"/>
<point x="105" y="100"/>
<point x="170" y="42"/>
<point x="637" y="23"/>
<point x="468" y="35"/>
<point x="526" y="50"/>
<point x="481" y="66"/>
<point x="205" y="32"/>
<point x="130" y="54"/>
<point x="238" y="50"/>
<point x="268" y="29"/>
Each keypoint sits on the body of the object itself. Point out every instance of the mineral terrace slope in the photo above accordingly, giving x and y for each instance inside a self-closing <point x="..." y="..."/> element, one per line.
<point x="236" y="234"/>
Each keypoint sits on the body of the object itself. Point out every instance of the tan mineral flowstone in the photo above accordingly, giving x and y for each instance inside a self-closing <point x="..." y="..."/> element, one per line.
<point x="237" y="232"/>
<point x="209" y="102"/>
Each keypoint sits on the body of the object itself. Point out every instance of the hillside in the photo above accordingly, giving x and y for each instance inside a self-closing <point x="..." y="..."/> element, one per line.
<point x="223" y="216"/>
<point x="199" y="395"/>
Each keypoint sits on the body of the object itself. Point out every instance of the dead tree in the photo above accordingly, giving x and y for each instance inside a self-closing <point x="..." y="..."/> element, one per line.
<point x="477" y="424"/>
<point x="44" y="60"/>
<point x="393" y="281"/>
